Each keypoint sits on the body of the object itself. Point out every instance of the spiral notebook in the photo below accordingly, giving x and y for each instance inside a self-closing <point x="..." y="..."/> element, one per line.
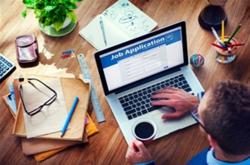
<point x="120" y="22"/>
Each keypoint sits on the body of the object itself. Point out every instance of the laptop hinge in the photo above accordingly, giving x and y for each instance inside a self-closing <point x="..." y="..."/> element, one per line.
<point x="146" y="80"/>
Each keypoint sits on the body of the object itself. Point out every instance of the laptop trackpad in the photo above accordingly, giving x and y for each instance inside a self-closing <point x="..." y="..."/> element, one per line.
<point x="165" y="127"/>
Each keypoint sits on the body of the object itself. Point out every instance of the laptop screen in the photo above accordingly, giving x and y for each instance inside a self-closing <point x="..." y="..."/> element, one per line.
<point x="143" y="58"/>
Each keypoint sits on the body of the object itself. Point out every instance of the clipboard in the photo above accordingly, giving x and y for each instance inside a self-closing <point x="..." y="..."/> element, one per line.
<point x="71" y="87"/>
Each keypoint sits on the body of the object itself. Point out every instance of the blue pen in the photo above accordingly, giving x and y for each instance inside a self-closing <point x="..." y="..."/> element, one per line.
<point x="12" y="97"/>
<point x="66" y="123"/>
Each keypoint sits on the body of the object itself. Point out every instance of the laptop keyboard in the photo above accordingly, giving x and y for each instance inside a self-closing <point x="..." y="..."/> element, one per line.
<point x="139" y="103"/>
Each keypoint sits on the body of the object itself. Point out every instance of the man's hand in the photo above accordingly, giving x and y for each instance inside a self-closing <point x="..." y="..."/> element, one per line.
<point x="137" y="153"/>
<point x="178" y="99"/>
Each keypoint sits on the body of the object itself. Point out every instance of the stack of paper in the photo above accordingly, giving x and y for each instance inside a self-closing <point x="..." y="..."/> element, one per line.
<point x="44" y="144"/>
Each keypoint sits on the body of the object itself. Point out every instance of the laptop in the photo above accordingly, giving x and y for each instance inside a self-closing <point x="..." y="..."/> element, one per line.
<point x="131" y="71"/>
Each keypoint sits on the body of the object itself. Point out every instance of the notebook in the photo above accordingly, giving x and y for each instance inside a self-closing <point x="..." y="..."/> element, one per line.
<point x="120" y="22"/>
<point x="75" y="133"/>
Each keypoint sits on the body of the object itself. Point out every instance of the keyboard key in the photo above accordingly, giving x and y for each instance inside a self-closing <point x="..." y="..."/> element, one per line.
<point x="139" y="114"/>
<point x="148" y="105"/>
<point x="185" y="86"/>
<point x="125" y="104"/>
<point x="152" y="109"/>
<point x="121" y="101"/>
<point x="130" y="112"/>
<point x="144" y="111"/>
<point x="130" y="117"/>
<point x="188" y="89"/>
<point x="134" y="115"/>
<point x="127" y="108"/>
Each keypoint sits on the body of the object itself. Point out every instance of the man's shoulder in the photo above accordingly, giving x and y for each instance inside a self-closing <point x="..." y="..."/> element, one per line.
<point x="200" y="158"/>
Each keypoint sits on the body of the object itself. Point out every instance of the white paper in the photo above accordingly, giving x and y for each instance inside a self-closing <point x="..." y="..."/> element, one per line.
<point x="122" y="21"/>
<point x="93" y="34"/>
<point x="52" y="117"/>
<point x="129" y="19"/>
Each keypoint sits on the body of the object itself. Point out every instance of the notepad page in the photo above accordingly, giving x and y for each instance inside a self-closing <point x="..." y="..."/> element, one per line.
<point x="52" y="117"/>
<point x="94" y="35"/>
<point x="129" y="19"/>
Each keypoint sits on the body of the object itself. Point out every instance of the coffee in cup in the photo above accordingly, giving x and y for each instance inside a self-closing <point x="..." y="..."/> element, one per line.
<point x="144" y="130"/>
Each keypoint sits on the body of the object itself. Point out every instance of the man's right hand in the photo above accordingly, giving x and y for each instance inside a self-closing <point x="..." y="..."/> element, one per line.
<point x="178" y="99"/>
<point x="137" y="153"/>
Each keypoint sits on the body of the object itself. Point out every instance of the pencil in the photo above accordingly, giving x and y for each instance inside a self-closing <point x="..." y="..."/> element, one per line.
<point x="217" y="37"/>
<point x="235" y="31"/>
<point x="222" y="31"/>
<point x="236" y="44"/>
<point x="218" y="46"/>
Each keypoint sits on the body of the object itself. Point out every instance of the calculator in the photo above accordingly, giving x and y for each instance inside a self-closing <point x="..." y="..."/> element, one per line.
<point x="6" y="67"/>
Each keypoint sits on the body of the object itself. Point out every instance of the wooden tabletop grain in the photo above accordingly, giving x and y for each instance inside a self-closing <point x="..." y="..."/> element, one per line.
<point x="108" y="147"/>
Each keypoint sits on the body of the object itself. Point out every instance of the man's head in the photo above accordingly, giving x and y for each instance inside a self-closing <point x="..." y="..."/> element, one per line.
<point x="225" y="113"/>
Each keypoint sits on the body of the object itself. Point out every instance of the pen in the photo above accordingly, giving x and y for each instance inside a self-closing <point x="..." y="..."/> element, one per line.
<point x="70" y="114"/>
<point x="103" y="31"/>
<point x="217" y="37"/>
<point x="235" y="31"/>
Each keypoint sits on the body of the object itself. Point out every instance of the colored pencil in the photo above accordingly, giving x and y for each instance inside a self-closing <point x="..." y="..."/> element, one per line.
<point x="233" y="34"/>
<point x="236" y="44"/>
<point x="218" y="46"/>
<point x="222" y="31"/>
<point x="218" y="38"/>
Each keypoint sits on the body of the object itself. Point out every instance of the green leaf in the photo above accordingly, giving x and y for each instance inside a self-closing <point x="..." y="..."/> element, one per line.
<point x="52" y="12"/>
<point x="29" y="3"/>
<point x="71" y="5"/>
<point x="49" y="8"/>
<point x="58" y="25"/>
<point x="72" y="16"/>
<point x="40" y="5"/>
<point x="24" y="13"/>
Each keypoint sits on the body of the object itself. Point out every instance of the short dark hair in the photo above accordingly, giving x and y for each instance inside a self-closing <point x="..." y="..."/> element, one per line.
<point x="227" y="116"/>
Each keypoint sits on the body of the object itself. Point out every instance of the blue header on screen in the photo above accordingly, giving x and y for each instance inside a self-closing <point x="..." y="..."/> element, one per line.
<point x="166" y="39"/>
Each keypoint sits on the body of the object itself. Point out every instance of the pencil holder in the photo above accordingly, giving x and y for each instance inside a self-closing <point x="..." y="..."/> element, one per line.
<point x="226" y="54"/>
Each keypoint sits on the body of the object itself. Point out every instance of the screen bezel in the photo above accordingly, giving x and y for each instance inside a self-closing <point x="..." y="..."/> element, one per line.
<point x="146" y="36"/>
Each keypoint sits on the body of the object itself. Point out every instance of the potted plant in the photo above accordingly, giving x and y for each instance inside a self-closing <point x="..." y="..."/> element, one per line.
<point x="56" y="17"/>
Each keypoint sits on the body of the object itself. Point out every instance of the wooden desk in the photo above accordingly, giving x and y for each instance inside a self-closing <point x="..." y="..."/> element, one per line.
<point x="109" y="146"/>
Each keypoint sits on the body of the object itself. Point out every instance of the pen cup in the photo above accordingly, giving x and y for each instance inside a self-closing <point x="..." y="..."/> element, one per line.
<point x="227" y="55"/>
<point x="144" y="130"/>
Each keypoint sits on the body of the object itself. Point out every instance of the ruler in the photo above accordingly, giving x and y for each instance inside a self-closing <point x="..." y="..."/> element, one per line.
<point x="87" y="79"/>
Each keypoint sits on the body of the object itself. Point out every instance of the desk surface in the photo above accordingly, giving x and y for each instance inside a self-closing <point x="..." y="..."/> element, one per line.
<point x="109" y="146"/>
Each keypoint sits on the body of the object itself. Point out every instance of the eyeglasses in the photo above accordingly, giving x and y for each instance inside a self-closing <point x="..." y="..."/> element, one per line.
<point x="196" y="117"/>
<point x="32" y="81"/>
<point x="194" y="113"/>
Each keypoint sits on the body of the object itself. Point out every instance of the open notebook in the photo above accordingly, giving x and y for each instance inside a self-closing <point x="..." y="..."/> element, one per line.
<point x="120" y="22"/>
